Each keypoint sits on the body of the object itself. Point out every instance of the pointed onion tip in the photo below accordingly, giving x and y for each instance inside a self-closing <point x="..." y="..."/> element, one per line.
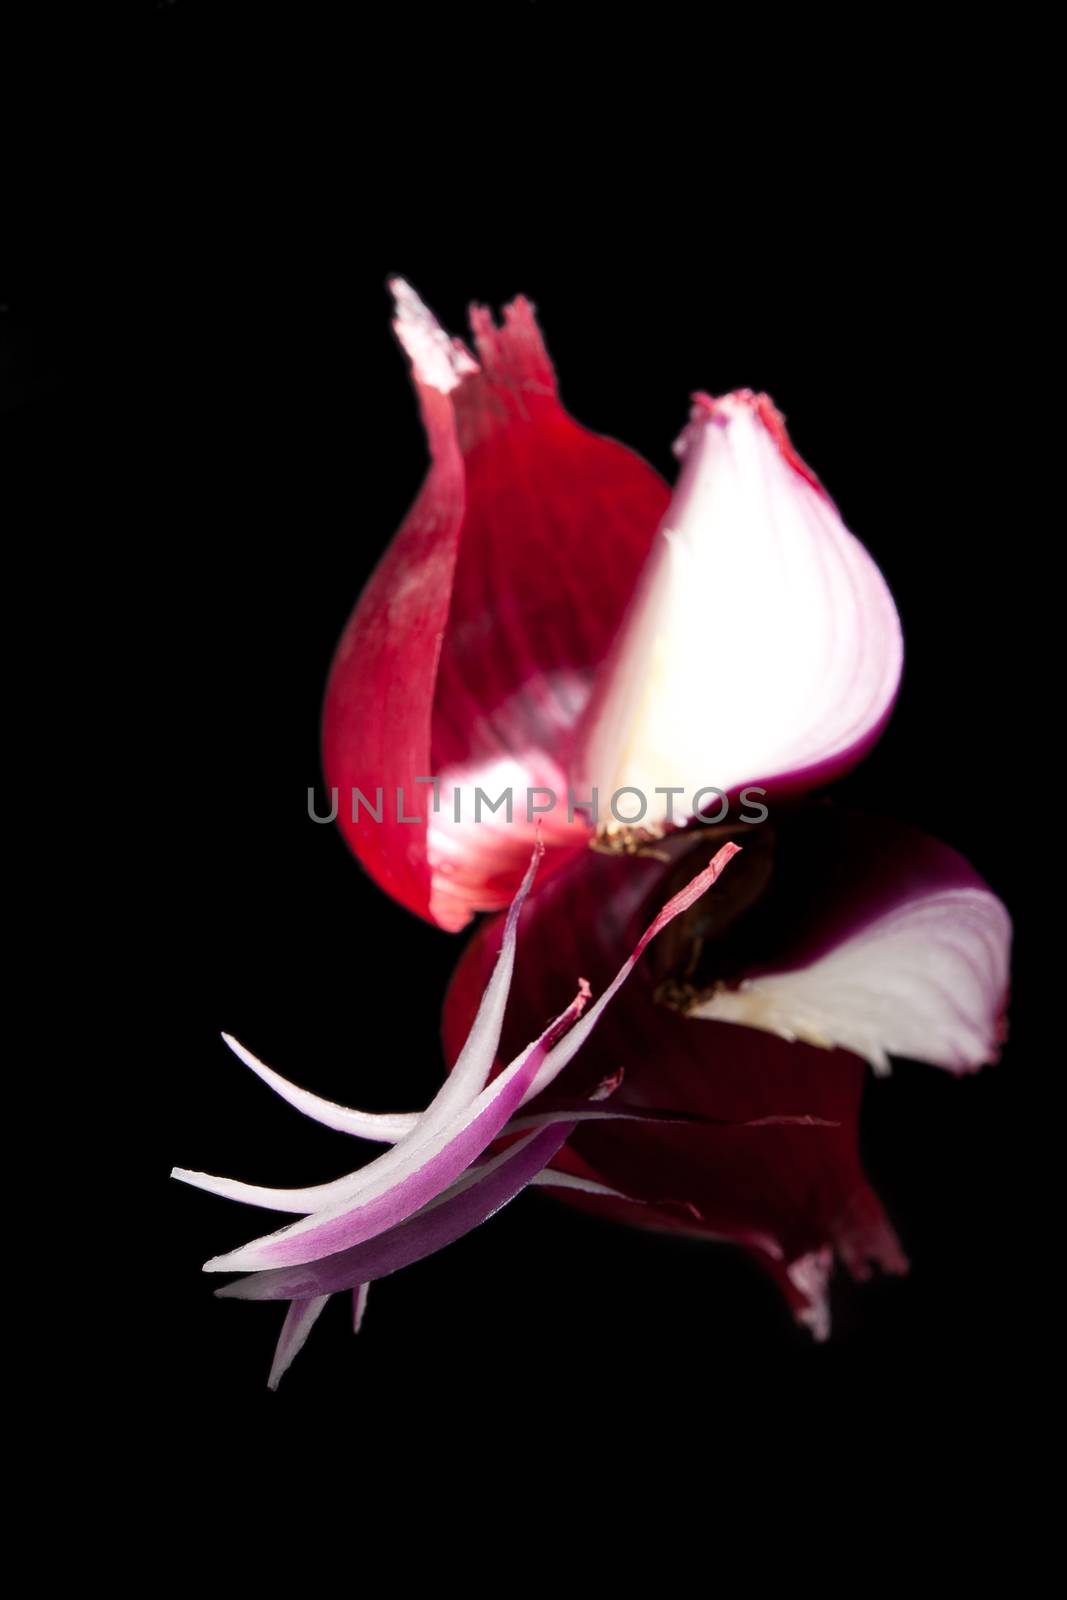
<point x="438" y="361"/>
<point x="723" y="409"/>
<point x="513" y="353"/>
<point x="456" y="1128"/>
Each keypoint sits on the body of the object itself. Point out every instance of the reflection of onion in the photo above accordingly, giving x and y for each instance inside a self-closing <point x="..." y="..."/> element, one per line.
<point x="847" y="935"/>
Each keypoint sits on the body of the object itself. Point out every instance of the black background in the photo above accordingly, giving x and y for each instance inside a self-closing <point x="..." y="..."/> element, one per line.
<point x="218" y="438"/>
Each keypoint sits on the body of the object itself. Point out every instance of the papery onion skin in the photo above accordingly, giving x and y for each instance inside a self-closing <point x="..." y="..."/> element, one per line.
<point x="472" y="647"/>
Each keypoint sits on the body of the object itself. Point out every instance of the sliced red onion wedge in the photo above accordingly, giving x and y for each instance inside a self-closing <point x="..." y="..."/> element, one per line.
<point x="414" y="1172"/>
<point x="385" y="1193"/>
<point x="762" y="647"/>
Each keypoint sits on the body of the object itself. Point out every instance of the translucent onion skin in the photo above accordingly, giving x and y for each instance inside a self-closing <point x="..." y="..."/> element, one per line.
<point x="795" y="1197"/>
